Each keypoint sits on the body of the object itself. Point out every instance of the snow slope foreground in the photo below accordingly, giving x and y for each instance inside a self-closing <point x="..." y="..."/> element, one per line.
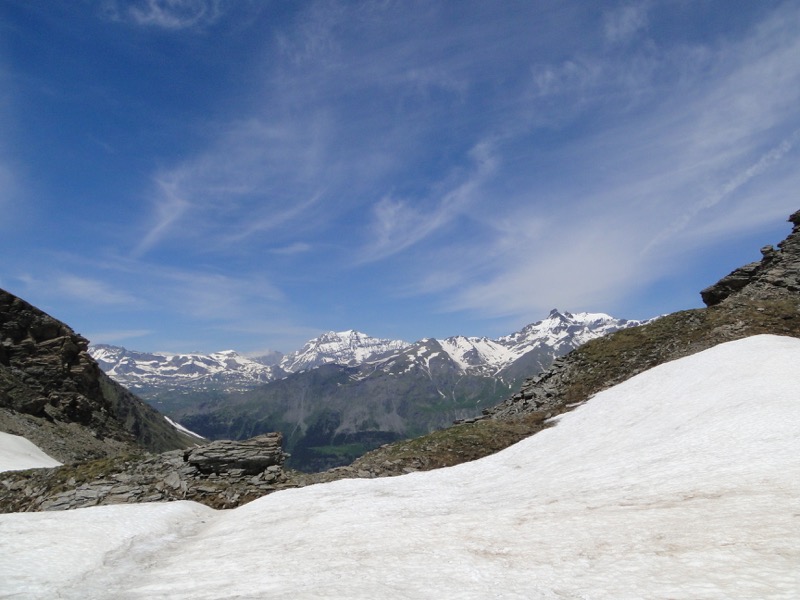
<point x="18" y="453"/>
<point x="679" y="483"/>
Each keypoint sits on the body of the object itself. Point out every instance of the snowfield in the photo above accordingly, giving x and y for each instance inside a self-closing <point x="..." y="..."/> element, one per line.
<point x="18" y="454"/>
<point x="683" y="482"/>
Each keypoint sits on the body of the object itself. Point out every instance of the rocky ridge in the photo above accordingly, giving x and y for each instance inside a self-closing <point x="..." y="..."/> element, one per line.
<point x="220" y="474"/>
<point x="54" y="394"/>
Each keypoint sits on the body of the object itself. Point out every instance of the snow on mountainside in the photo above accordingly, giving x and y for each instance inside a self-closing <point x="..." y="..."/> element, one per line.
<point x="544" y="341"/>
<point x="139" y="370"/>
<point x="348" y="348"/>
<point x="18" y="453"/>
<point x="678" y="483"/>
<point x="547" y="339"/>
<point x="564" y="331"/>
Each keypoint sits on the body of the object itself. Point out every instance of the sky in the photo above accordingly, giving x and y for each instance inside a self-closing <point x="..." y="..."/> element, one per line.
<point x="680" y="482"/>
<point x="198" y="175"/>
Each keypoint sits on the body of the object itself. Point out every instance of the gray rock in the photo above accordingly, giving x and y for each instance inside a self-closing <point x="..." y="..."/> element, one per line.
<point x="249" y="457"/>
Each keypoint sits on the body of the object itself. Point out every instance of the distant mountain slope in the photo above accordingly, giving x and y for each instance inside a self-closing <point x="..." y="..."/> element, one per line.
<point x="347" y="348"/>
<point x="332" y="413"/>
<point x="148" y="372"/>
<point x="54" y="394"/>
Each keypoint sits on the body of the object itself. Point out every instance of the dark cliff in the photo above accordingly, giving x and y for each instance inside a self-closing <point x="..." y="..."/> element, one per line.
<point x="54" y="393"/>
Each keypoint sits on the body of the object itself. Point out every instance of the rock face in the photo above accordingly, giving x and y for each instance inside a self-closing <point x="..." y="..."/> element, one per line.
<point x="778" y="269"/>
<point x="251" y="456"/>
<point x="53" y="393"/>
<point x="222" y="474"/>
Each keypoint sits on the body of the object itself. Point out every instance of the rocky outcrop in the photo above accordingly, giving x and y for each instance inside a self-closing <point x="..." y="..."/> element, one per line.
<point x="251" y="456"/>
<point x="777" y="270"/>
<point x="222" y="474"/>
<point x="54" y="393"/>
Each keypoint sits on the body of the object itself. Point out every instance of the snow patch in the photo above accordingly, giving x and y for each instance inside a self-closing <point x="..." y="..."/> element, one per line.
<point x="18" y="453"/>
<point x="183" y="429"/>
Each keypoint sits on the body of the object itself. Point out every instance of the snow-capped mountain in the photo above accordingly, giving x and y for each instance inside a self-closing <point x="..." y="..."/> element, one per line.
<point x="541" y="342"/>
<point x="142" y="371"/>
<point x="350" y="390"/>
<point x="227" y="370"/>
<point x="348" y="348"/>
<point x="563" y="331"/>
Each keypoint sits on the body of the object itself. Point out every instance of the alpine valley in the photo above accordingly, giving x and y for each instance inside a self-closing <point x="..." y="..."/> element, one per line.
<point x="344" y="393"/>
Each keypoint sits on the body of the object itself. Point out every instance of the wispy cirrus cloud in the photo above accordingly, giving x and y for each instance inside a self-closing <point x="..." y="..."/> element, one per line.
<point x="92" y="291"/>
<point x="618" y="154"/>
<point x="165" y="14"/>
<point x="291" y="249"/>
<point x="624" y="22"/>
<point x="170" y="206"/>
<point x="117" y="336"/>
<point x="258" y="176"/>
<point x="761" y="166"/>
<point x="656" y="182"/>
<point x="398" y="225"/>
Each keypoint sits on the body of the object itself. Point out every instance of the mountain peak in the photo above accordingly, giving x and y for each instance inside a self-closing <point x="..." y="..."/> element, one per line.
<point x="348" y="347"/>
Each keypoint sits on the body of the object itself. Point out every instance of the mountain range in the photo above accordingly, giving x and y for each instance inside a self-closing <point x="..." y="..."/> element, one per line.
<point x="227" y="370"/>
<point x="344" y="393"/>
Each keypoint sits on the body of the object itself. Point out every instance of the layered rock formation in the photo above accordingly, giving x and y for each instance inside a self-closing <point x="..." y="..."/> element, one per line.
<point x="776" y="273"/>
<point x="53" y="393"/>
<point x="221" y="474"/>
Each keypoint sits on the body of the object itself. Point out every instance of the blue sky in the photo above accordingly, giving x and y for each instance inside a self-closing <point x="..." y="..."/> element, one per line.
<point x="193" y="175"/>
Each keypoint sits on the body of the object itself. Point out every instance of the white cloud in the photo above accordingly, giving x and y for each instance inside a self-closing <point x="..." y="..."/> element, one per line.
<point x="296" y="248"/>
<point x="397" y="224"/>
<point x="647" y="192"/>
<point x="165" y="14"/>
<point x="762" y="165"/>
<point x="170" y="206"/>
<point x="623" y="23"/>
<point x="257" y="176"/>
<point x="615" y="161"/>
<point x="92" y="291"/>
<point x="117" y="336"/>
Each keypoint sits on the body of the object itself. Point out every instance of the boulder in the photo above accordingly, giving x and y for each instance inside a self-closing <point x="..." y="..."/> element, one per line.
<point x="248" y="457"/>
